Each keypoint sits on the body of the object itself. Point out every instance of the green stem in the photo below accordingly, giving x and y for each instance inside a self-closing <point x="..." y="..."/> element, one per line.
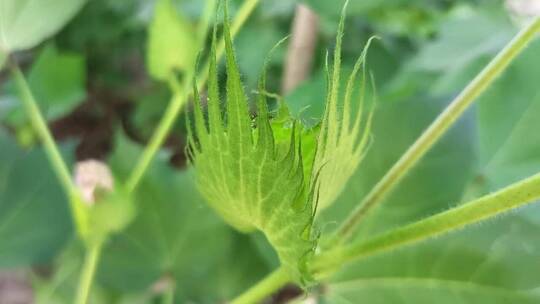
<point x="53" y="153"/>
<point x="39" y="124"/>
<point x="430" y="136"/>
<point x="87" y="275"/>
<point x="168" y="296"/>
<point x="163" y="129"/>
<point x="3" y="59"/>
<point x="180" y="98"/>
<point x="489" y="206"/>
<point x="264" y="288"/>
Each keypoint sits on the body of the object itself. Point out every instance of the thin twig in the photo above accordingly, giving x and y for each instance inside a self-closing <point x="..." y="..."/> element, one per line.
<point x="266" y="286"/>
<point x="299" y="61"/>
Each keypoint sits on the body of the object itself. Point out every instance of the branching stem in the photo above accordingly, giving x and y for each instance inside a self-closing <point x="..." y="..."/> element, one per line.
<point x="61" y="169"/>
<point x="430" y="136"/>
<point x="87" y="275"/>
<point x="266" y="286"/>
<point x="40" y="126"/>
<point x="489" y="206"/>
<point x="51" y="149"/>
<point x="168" y="296"/>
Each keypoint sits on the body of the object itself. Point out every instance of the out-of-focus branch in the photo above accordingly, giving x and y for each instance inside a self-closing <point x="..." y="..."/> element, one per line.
<point x="300" y="54"/>
<point x="15" y="287"/>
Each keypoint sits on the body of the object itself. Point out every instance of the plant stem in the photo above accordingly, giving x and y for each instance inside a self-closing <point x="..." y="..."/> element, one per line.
<point x="489" y="206"/>
<point x="3" y="59"/>
<point x="87" y="275"/>
<point x="173" y="109"/>
<point x="180" y="98"/>
<point x="53" y="153"/>
<point x="263" y="288"/>
<point x="168" y="296"/>
<point x="38" y="122"/>
<point x="301" y="51"/>
<point x="430" y="136"/>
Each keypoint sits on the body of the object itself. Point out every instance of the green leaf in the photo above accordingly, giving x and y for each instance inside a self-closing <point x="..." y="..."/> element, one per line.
<point x="253" y="183"/>
<point x="484" y="264"/>
<point x="507" y="113"/>
<point x="58" y="80"/>
<point x="410" y="19"/>
<point x="507" y="151"/>
<point x="308" y="99"/>
<point x="264" y="34"/>
<point x="26" y="23"/>
<point x="462" y="39"/>
<point x="328" y="9"/>
<point x="34" y="218"/>
<point x="172" y="45"/>
<point x="423" y="290"/>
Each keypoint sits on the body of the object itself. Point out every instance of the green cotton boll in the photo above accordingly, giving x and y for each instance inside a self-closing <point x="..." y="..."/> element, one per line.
<point x="172" y="43"/>
<point x="271" y="174"/>
<point x="111" y="213"/>
<point x="282" y="128"/>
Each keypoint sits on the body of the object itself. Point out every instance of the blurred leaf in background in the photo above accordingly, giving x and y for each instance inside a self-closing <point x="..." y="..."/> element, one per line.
<point x="264" y="33"/>
<point x="506" y="116"/>
<point x="34" y="218"/>
<point x="57" y="80"/>
<point x="111" y="36"/>
<point x="462" y="37"/>
<point x="172" y="44"/>
<point x="485" y="264"/>
<point x="415" y="20"/>
<point x="26" y="23"/>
